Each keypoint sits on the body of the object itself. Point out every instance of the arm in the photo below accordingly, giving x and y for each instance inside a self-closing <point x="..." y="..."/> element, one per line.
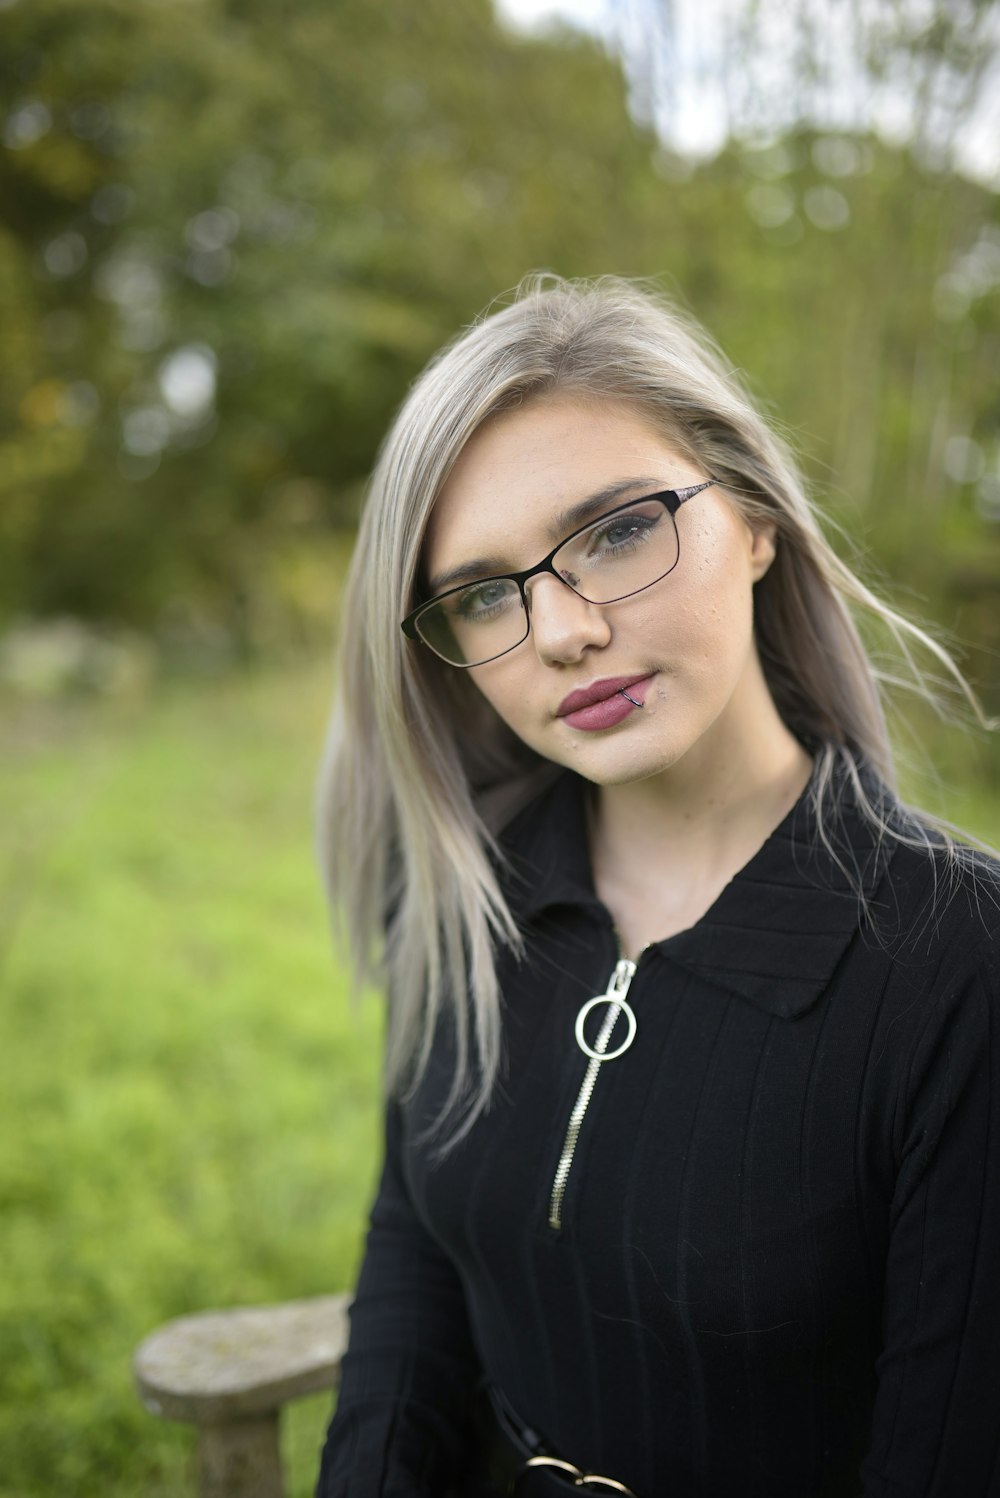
<point x="936" y="1429"/>
<point x="410" y="1369"/>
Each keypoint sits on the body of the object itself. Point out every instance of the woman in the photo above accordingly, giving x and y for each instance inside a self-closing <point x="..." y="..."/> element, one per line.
<point x="693" y="1054"/>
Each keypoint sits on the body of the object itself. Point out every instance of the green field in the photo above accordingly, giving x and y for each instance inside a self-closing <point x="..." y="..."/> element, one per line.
<point x="189" y="1100"/>
<point x="190" y="1115"/>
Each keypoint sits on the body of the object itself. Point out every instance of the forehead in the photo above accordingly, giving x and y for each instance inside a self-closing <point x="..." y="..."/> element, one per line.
<point x="524" y="467"/>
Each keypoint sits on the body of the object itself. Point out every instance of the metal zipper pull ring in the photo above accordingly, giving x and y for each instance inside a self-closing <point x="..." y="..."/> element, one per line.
<point x="618" y="986"/>
<point x="621" y="1006"/>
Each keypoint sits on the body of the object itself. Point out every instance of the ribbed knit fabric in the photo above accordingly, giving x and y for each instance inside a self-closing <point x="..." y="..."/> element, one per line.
<point x="777" y="1273"/>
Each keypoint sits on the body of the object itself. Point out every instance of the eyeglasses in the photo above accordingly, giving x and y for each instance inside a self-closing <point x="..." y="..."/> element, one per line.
<point x="624" y="552"/>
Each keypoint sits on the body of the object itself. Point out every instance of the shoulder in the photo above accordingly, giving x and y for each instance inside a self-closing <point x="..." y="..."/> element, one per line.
<point x="943" y="897"/>
<point x="929" y="959"/>
<point x="932" y="959"/>
<point x="933" y="892"/>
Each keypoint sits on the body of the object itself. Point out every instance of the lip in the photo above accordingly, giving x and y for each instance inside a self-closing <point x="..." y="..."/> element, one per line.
<point x="598" y="691"/>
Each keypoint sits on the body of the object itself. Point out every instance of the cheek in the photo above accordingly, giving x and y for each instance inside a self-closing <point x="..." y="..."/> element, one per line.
<point x="504" y="687"/>
<point x="701" y="627"/>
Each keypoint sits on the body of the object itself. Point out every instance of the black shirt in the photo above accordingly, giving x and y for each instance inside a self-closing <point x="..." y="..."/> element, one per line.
<point x="776" y="1272"/>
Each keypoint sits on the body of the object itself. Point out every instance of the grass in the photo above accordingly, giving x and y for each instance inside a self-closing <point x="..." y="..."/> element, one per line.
<point x="190" y="1101"/>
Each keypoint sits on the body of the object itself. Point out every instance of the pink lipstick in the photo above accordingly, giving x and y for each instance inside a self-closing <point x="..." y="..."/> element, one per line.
<point x="605" y="703"/>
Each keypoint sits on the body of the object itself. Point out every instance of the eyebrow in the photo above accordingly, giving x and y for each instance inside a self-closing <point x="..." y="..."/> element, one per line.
<point x="563" y="524"/>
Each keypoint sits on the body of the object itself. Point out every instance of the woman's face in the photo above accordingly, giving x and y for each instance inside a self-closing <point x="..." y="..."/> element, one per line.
<point x="684" y="645"/>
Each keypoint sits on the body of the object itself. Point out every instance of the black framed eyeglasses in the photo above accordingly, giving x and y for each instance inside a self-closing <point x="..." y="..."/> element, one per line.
<point x="624" y="552"/>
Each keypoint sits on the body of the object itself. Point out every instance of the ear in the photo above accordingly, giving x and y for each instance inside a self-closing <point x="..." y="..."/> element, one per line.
<point x="763" y="547"/>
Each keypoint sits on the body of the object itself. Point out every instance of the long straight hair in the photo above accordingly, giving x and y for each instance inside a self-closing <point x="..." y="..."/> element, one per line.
<point x="419" y="772"/>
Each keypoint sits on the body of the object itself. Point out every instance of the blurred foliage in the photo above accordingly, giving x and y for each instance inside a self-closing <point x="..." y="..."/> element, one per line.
<point x="301" y="200"/>
<point x="929" y="72"/>
<point x="234" y="230"/>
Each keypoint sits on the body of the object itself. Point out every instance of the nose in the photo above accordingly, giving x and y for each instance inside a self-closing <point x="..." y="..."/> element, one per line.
<point x="563" y="625"/>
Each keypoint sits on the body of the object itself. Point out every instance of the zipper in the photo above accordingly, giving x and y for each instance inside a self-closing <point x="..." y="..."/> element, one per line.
<point x="616" y="998"/>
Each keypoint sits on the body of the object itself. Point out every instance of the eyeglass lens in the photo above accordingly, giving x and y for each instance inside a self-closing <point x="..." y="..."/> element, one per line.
<point x="616" y="556"/>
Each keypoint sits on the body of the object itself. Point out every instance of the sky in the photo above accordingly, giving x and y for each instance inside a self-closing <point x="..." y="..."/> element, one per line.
<point x="685" y="66"/>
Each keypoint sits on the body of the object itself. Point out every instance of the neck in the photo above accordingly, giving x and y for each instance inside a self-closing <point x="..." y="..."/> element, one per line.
<point x="696" y="823"/>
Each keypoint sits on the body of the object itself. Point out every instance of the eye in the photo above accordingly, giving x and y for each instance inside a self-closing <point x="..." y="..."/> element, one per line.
<point x="621" y="532"/>
<point x="484" y="600"/>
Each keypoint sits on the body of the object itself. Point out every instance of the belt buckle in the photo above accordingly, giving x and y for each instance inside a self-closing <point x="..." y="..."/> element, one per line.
<point x="591" y="1482"/>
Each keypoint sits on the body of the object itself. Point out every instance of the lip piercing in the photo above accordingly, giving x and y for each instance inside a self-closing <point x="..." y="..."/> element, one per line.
<point x="622" y="692"/>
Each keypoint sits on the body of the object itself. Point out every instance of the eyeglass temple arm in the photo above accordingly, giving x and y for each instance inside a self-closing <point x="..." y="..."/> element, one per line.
<point x="684" y="494"/>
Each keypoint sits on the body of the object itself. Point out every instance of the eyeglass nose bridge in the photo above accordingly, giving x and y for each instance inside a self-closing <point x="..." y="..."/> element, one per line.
<point x="561" y="625"/>
<point x="543" y="567"/>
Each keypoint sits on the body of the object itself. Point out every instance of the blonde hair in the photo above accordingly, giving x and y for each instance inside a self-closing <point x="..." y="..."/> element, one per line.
<point x="419" y="772"/>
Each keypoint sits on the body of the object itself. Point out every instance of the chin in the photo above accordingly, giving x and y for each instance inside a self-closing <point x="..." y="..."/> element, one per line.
<point x="620" y="768"/>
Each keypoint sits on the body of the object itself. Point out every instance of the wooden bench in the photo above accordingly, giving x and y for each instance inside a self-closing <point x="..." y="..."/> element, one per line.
<point x="230" y="1372"/>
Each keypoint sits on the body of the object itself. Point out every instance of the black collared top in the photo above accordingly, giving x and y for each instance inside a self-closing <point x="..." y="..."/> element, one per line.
<point x="756" y="1254"/>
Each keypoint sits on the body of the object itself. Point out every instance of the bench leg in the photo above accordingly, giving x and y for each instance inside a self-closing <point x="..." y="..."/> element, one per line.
<point x="240" y="1459"/>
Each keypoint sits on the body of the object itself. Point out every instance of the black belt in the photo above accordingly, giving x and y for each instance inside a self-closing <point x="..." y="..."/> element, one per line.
<point x="515" y="1460"/>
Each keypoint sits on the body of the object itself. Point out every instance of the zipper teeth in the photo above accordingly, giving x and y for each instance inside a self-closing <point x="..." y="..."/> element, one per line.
<point x="577" y="1115"/>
